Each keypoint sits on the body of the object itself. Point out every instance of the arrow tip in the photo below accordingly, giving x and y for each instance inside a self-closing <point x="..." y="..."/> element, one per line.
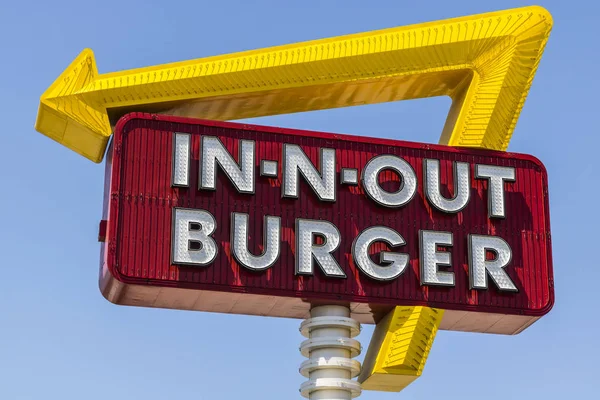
<point x="79" y="73"/>
<point x="66" y="118"/>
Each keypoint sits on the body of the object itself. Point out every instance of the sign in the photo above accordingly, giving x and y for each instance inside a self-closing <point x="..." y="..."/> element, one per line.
<point x="225" y="217"/>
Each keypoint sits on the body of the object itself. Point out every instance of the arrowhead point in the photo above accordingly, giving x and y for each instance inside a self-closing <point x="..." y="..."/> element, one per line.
<point x="64" y="116"/>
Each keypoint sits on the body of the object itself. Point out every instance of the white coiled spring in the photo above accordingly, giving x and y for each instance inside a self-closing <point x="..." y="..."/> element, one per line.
<point x="330" y="349"/>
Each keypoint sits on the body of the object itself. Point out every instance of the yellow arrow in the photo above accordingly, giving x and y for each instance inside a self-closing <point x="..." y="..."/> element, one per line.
<point x="485" y="62"/>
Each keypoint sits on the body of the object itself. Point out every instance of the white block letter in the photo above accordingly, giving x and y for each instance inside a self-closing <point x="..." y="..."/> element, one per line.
<point x="239" y="242"/>
<point x="431" y="258"/>
<point x="296" y="162"/>
<point x="360" y="253"/>
<point x="307" y="251"/>
<point x="462" y="186"/>
<point x="214" y="153"/>
<point x="370" y="181"/>
<point x="496" y="177"/>
<point x="479" y="267"/>
<point x="180" y="175"/>
<point x="191" y="243"/>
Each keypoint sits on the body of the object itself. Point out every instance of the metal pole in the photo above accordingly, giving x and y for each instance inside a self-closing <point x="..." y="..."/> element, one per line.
<point x="330" y="349"/>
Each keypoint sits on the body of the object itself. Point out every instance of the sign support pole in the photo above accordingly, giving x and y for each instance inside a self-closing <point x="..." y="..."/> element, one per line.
<point x="330" y="348"/>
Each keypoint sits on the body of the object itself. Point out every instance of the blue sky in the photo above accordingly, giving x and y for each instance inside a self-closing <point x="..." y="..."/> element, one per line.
<point x="60" y="339"/>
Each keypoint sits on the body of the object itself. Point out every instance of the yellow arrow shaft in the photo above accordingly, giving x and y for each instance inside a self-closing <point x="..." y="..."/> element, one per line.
<point x="400" y="51"/>
<point x="485" y="63"/>
<point x="344" y="61"/>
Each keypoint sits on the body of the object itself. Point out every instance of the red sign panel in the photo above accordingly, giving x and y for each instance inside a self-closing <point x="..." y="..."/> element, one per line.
<point x="225" y="217"/>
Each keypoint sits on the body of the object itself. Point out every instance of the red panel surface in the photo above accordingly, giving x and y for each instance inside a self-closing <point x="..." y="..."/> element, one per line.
<point x="140" y="203"/>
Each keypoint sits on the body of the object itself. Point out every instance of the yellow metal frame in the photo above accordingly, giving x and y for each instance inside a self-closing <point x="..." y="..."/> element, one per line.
<point x="485" y="63"/>
<point x="402" y="340"/>
<point x="399" y="348"/>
